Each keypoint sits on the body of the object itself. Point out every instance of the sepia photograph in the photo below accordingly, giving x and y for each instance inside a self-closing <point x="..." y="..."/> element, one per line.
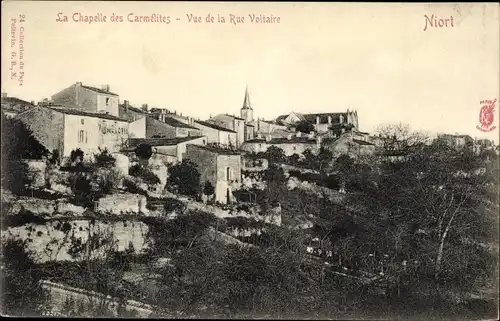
<point x="250" y="160"/>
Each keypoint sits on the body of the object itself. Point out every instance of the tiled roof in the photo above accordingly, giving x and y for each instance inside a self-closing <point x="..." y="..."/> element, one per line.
<point x="217" y="150"/>
<point x="134" y="109"/>
<point x="177" y="123"/>
<point x="15" y="100"/>
<point x="362" y="142"/>
<point x="292" y="140"/>
<point x="132" y="142"/>
<point x="283" y="117"/>
<point x="100" y="91"/>
<point x="207" y="124"/>
<point x="235" y="117"/>
<point x="76" y="112"/>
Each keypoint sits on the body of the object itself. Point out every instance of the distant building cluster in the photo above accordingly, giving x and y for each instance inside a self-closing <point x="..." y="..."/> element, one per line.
<point x="92" y="119"/>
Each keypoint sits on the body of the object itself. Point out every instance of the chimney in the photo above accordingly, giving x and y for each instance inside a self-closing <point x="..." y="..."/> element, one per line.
<point x="105" y="87"/>
<point x="317" y="120"/>
<point x="4" y="95"/>
<point x="78" y="84"/>
<point x="125" y="102"/>
<point x="144" y="107"/>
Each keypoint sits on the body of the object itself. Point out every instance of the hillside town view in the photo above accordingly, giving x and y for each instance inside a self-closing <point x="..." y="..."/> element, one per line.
<point x="127" y="210"/>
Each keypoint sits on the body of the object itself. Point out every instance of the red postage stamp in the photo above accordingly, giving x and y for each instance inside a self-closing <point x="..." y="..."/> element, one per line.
<point x="487" y="115"/>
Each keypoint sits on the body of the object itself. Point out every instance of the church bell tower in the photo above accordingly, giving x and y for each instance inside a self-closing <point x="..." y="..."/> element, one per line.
<point x="246" y="111"/>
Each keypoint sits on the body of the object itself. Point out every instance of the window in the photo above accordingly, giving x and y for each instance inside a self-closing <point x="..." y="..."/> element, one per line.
<point x="81" y="136"/>
<point x="294" y="147"/>
<point x="107" y="101"/>
<point x="83" y="122"/>
<point x="228" y="173"/>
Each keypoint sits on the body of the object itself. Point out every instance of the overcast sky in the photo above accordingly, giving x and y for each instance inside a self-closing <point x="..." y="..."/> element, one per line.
<point x="322" y="57"/>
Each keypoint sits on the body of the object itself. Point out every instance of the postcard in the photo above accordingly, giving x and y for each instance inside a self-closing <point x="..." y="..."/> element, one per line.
<point x="250" y="159"/>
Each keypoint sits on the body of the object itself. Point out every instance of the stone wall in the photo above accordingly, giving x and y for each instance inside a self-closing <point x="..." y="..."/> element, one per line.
<point x="122" y="203"/>
<point x="51" y="244"/>
<point x="60" y="293"/>
<point x="45" y="207"/>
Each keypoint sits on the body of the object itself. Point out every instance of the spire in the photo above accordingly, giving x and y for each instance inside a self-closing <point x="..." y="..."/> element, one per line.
<point x="246" y="102"/>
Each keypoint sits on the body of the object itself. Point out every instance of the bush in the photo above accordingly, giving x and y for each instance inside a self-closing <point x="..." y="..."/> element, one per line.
<point x="172" y="204"/>
<point x="104" y="159"/>
<point x="145" y="174"/>
<point x="82" y="190"/>
<point x="76" y="155"/>
<point x="133" y="188"/>
<point x="106" y="180"/>
<point x="144" y="151"/>
<point x="208" y="189"/>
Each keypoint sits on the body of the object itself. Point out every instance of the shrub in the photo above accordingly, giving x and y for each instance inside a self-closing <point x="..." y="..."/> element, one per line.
<point x="104" y="159"/>
<point x="144" y="151"/>
<point x="106" y="180"/>
<point x="133" y="188"/>
<point x="172" y="204"/>
<point x="208" y="189"/>
<point x="76" y="155"/>
<point x="145" y="174"/>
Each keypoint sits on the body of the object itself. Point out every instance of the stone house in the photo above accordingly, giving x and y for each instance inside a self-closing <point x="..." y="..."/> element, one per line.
<point x="292" y="144"/>
<point x="88" y="99"/>
<point x="11" y="106"/>
<point x="144" y="124"/>
<point x="234" y="123"/>
<point x="351" y="144"/>
<point x="64" y="129"/>
<point x="162" y="113"/>
<point x="166" y="151"/>
<point x="262" y="126"/>
<point x="216" y="134"/>
<point x="220" y="167"/>
<point x="322" y="121"/>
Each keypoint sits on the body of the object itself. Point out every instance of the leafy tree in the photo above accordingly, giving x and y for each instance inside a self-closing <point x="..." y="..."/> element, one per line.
<point x="208" y="189"/>
<point x="275" y="154"/>
<point x="144" y="173"/>
<point x="324" y="158"/>
<point x="76" y="155"/>
<point x="184" y="178"/>
<point x="22" y="294"/>
<point x="104" y="159"/>
<point x="144" y="151"/>
<point x="274" y="173"/>
<point x="304" y="127"/>
<point x="18" y="143"/>
<point x="294" y="159"/>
